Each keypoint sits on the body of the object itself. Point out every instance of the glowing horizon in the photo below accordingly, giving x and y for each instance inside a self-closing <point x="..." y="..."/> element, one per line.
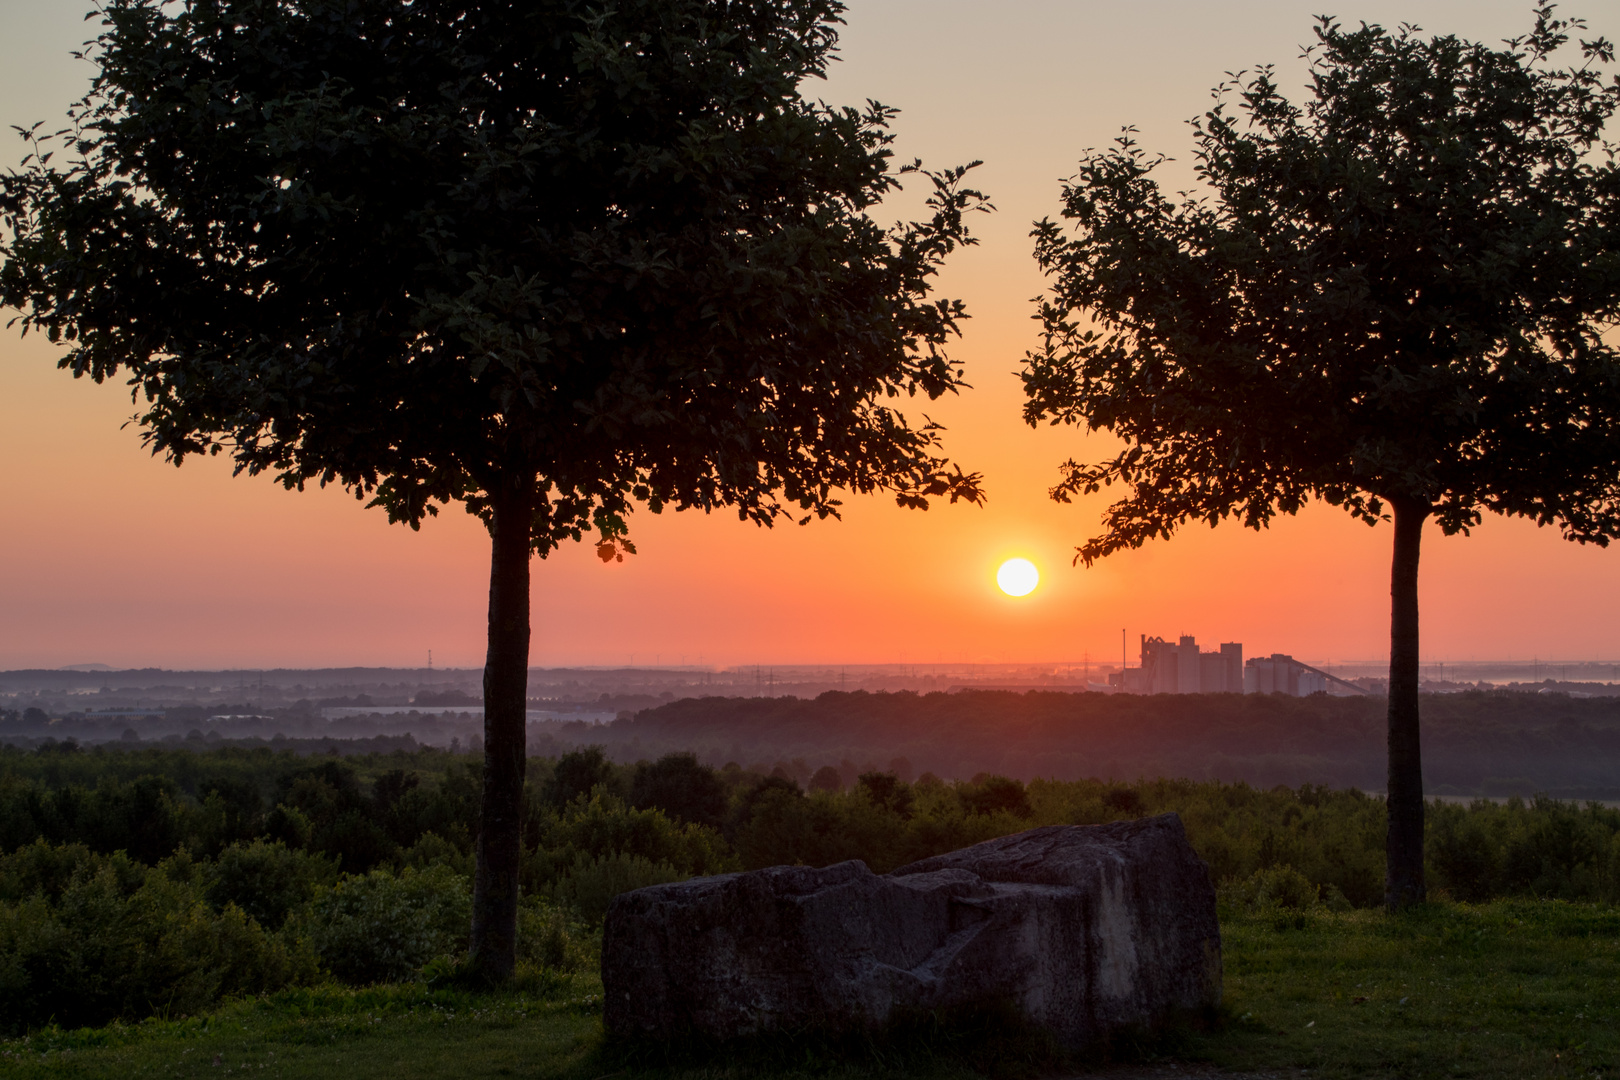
<point x="112" y="557"/>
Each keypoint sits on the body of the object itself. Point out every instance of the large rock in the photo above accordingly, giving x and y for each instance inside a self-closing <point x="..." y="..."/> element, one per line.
<point x="1083" y="929"/>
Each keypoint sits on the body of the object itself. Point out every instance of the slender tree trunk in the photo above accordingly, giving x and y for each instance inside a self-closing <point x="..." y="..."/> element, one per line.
<point x="1403" y="875"/>
<point x="506" y="687"/>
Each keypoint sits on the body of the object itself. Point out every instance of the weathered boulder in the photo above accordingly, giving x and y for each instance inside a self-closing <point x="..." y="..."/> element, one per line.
<point x="1083" y="929"/>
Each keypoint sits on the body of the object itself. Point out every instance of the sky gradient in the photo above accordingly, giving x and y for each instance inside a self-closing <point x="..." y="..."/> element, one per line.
<point x="109" y="555"/>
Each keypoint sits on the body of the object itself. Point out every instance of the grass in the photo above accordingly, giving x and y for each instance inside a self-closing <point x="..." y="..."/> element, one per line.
<point x="1502" y="990"/>
<point x="1508" y="989"/>
<point x="392" y="1032"/>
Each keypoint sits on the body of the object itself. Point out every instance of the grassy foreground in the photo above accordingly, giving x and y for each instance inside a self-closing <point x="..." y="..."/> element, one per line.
<point x="1508" y="989"/>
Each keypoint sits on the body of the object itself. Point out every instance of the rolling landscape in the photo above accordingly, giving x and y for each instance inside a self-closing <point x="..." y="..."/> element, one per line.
<point x="939" y="539"/>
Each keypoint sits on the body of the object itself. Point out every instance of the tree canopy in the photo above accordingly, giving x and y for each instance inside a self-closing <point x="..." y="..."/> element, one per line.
<point x="1399" y="288"/>
<point x="406" y="247"/>
<point x="1393" y="298"/>
<point x="546" y="259"/>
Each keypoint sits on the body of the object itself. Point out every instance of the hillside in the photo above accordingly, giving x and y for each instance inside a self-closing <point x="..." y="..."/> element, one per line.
<point x="1476" y="743"/>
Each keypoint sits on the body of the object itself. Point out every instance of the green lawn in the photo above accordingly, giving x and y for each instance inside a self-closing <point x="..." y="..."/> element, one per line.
<point x="386" y="1032"/>
<point x="1507" y="989"/>
<point x="1504" y="990"/>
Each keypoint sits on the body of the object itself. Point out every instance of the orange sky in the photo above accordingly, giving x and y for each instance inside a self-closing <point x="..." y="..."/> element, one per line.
<point x="110" y="556"/>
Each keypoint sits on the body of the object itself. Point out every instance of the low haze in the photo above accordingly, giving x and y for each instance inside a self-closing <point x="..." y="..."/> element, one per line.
<point x="110" y="556"/>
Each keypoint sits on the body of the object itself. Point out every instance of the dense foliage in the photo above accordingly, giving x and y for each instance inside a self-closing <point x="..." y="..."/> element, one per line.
<point x="547" y="260"/>
<point x="1416" y="256"/>
<point x="143" y="881"/>
<point x="1395" y="297"/>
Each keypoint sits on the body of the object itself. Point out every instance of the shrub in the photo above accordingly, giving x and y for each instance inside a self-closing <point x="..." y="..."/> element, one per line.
<point x="141" y="817"/>
<point x="1125" y="800"/>
<point x="605" y="825"/>
<point x="380" y="927"/>
<point x="605" y="846"/>
<point x="431" y="849"/>
<point x="826" y="778"/>
<point x="187" y="956"/>
<point x="289" y="825"/>
<point x="887" y="791"/>
<point x="229" y="810"/>
<point x="590" y="886"/>
<point x="549" y="939"/>
<point x="100" y="951"/>
<point x="1465" y="858"/>
<point x="776" y="824"/>
<point x="576" y="774"/>
<point x="1610" y="889"/>
<point x="765" y="790"/>
<point x="1280" y="887"/>
<point x="1559" y="854"/>
<point x="267" y="880"/>
<point x="989" y="794"/>
<point x="682" y="787"/>
<point x="42" y="869"/>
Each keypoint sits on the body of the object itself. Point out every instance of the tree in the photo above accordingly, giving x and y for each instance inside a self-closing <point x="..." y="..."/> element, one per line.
<point x="576" y="774"/>
<point x="682" y="787"/>
<point x="886" y="790"/>
<point x="549" y="260"/>
<point x="1391" y="299"/>
<point x="826" y="778"/>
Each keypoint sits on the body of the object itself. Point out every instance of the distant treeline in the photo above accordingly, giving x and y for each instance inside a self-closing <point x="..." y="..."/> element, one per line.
<point x="1477" y="743"/>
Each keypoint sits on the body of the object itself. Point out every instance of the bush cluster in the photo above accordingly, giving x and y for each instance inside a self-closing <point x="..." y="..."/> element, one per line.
<point x="151" y="882"/>
<point x="147" y="802"/>
<point x="85" y="938"/>
<point x="1539" y="848"/>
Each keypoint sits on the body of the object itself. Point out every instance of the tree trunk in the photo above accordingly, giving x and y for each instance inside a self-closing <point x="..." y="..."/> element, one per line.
<point x="1403" y="875"/>
<point x="506" y="687"/>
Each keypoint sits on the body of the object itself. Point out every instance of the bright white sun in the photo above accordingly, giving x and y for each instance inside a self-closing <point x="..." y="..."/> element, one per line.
<point x="1018" y="577"/>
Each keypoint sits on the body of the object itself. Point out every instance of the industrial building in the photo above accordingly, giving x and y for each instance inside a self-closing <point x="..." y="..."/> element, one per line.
<point x="1183" y="668"/>
<point x="1282" y="674"/>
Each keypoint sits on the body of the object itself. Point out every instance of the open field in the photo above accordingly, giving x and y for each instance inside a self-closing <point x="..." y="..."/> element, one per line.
<point x="1510" y="989"/>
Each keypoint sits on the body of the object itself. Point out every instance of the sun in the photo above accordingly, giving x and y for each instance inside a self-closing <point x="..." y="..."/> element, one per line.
<point x="1018" y="577"/>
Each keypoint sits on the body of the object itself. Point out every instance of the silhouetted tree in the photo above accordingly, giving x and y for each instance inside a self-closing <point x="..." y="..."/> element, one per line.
<point x="547" y="259"/>
<point x="1392" y="300"/>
